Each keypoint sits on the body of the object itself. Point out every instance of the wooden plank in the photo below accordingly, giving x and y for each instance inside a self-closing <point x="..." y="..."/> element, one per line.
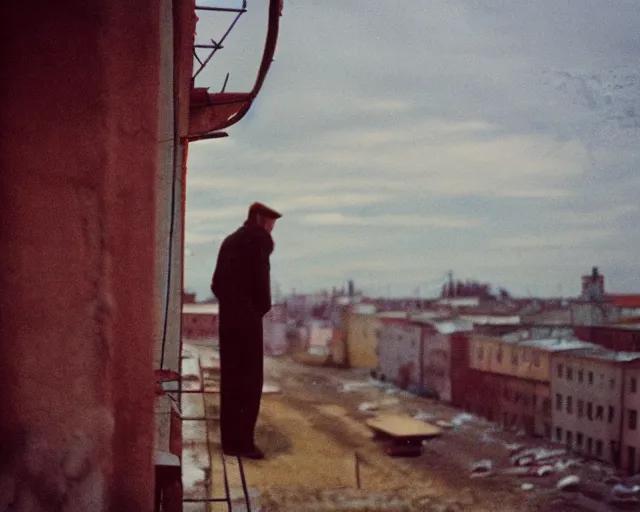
<point x="396" y="425"/>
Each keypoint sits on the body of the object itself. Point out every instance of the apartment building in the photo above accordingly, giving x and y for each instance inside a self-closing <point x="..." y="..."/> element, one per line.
<point x="630" y="454"/>
<point x="521" y="366"/>
<point x="587" y="387"/>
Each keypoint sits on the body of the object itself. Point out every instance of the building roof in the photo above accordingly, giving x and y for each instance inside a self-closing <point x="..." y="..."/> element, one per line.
<point x="392" y="315"/>
<point x="605" y="355"/>
<point x="200" y="308"/>
<point x="534" y="332"/>
<point x="556" y="345"/>
<point x="446" y="326"/>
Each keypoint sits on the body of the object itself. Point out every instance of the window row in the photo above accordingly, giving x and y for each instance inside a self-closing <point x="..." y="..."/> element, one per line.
<point x="632" y="414"/>
<point x="525" y="358"/>
<point x="516" y="397"/>
<point x="568" y="374"/>
<point x="579" y="443"/>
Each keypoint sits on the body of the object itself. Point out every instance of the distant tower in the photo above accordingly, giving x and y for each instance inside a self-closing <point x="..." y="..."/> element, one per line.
<point x="451" y="292"/>
<point x="352" y="290"/>
<point x="593" y="286"/>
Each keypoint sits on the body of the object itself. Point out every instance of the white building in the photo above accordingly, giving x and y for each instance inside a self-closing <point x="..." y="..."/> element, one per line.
<point x="399" y="353"/>
<point x="587" y="401"/>
<point x="630" y="428"/>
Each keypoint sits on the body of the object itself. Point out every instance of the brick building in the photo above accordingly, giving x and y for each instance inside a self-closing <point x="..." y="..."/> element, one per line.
<point x="199" y="321"/>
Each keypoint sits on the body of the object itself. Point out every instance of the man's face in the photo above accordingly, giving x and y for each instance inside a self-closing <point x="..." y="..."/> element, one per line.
<point x="266" y="223"/>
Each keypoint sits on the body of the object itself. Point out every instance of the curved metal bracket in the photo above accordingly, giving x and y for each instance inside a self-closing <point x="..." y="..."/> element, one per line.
<point x="212" y="112"/>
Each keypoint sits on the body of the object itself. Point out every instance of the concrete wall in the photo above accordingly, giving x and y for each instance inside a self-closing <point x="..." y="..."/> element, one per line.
<point x="78" y="154"/>
<point x="362" y="340"/>
<point x="169" y="206"/>
<point x="275" y="338"/>
<point x="436" y="364"/>
<point x="339" y="352"/>
<point x="399" y="354"/>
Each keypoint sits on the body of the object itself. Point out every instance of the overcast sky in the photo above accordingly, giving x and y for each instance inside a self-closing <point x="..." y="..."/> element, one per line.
<point x="404" y="139"/>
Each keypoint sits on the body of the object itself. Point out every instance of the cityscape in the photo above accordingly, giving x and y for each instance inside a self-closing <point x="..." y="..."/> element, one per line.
<point x="430" y="210"/>
<point x="543" y="392"/>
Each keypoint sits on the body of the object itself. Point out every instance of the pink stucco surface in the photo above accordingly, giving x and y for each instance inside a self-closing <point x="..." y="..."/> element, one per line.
<point x="78" y="119"/>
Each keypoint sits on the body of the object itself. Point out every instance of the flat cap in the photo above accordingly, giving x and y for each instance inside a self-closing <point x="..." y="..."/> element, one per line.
<point x="261" y="209"/>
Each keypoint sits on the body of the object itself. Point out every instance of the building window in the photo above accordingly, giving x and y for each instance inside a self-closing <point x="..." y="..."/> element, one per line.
<point x="598" y="448"/>
<point x="480" y="353"/>
<point x="558" y="402"/>
<point x="559" y="368"/>
<point x="580" y="408"/>
<point x="634" y="384"/>
<point x="589" y="410"/>
<point x="590" y="377"/>
<point x="514" y="357"/>
<point x="612" y="413"/>
<point x="499" y="355"/>
<point x="546" y="406"/>
<point x="580" y="375"/>
<point x="558" y="434"/>
<point x="633" y="419"/>
<point x="600" y="413"/>
<point x="589" y="445"/>
<point x="569" y="438"/>
<point x="569" y="405"/>
<point x="569" y="373"/>
<point x="579" y="439"/>
<point x="612" y="383"/>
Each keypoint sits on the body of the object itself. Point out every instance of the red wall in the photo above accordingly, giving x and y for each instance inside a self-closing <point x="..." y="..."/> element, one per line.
<point x="612" y="338"/>
<point x="460" y="376"/>
<point x="196" y="326"/>
<point x="78" y="119"/>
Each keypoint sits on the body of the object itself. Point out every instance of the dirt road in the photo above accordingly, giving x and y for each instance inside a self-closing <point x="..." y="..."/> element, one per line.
<point x="312" y="430"/>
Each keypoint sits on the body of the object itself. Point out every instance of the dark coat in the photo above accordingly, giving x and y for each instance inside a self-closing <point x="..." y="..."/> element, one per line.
<point x="241" y="283"/>
<point x="241" y="280"/>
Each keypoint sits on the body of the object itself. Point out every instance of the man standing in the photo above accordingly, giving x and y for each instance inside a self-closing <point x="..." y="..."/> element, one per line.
<point x="241" y="282"/>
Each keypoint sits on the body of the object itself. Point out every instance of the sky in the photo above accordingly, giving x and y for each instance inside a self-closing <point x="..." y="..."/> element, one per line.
<point x="401" y="140"/>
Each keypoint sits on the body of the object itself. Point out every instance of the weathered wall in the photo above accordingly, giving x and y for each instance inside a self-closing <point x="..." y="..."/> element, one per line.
<point x="362" y="340"/>
<point x="436" y="363"/>
<point x="78" y="154"/>
<point x="169" y="206"/>
<point x="630" y="455"/>
<point x="594" y="386"/>
<point x="399" y="354"/>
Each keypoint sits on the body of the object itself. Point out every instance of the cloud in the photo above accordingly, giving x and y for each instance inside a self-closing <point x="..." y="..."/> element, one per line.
<point x="404" y="139"/>
<point x="337" y="219"/>
<point x="553" y="238"/>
